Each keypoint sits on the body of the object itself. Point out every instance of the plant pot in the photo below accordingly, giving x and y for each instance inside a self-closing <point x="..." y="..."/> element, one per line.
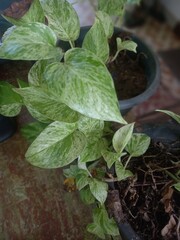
<point x="150" y="64"/>
<point x="7" y="127"/>
<point x="167" y="135"/>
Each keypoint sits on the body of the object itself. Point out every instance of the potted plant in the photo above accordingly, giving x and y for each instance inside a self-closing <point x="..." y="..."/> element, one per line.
<point x="71" y="93"/>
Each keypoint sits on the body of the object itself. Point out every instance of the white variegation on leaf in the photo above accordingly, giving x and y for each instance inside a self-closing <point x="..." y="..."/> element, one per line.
<point x="10" y="110"/>
<point x="138" y="144"/>
<point x="122" y="137"/>
<point x="99" y="190"/>
<point x="121" y="172"/>
<point x="34" y="14"/>
<point x="112" y="7"/>
<point x="82" y="179"/>
<point x="106" y="22"/>
<point x="110" y="157"/>
<point x="35" y="75"/>
<point x="62" y="18"/>
<point x="32" y="41"/>
<point x="88" y="125"/>
<point x="96" y="41"/>
<point x="93" y="148"/>
<point x="40" y="104"/>
<point x="126" y="45"/>
<point x="84" y="84"/>
<point x="57" y="146"/>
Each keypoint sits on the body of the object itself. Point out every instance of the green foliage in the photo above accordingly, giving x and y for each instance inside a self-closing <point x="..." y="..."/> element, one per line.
<point x="102" y="224"/>
<point x="71" y="94"/>
<point x="176" y="117"/>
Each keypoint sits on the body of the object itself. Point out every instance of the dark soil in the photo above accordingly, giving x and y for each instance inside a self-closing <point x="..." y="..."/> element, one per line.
<point x="149" y="202"/>
<point x="128" y="75"/>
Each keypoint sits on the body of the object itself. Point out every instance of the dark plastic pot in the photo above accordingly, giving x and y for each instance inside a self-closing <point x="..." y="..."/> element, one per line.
<point x="7" y="127"/>
<point x="167" y="133"/>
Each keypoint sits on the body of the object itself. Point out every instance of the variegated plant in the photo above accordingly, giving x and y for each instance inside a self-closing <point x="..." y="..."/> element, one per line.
<point x="72" y="95"/>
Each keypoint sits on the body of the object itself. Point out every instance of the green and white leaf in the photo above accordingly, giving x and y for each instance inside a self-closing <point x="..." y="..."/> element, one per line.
<point x="10" y="110"/>
<point x="126" y="45"/>
<point x="102" y="224"/>
<point x="138" y="144"/>
<point x="96" y="41"/>
<point x="31" y="130"/>
<point x="62" y="19"/>
<point x="41" y="106"/>
<point x="84" y="84"/>
<point x="57" y="146"/>
<point x="86" y="195"/>
<point x="34" y="14"/>
<point x="22" y="84"/>
<point x="112" y="7"/>
<point x="82" y="179"/>
<point x="121" y="172"/>
<point x="171" y="114"/>
<point x="35" y="75"/>
<point x="99" y="190"/>
<point x="122" y="137"/>
<point x="94" y="146"/>
<point x="33" y="41"/>
<point x="88" y="125"/>
<point x="111" y="157"/>
<point x="106" y="22"/>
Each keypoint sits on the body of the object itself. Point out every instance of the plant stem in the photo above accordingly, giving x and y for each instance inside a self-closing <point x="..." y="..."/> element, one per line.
<point x="129" y="158"/>
<point x="172" y="176"/>
<point x="115" y="56"/>
<point x="71" y="44"/>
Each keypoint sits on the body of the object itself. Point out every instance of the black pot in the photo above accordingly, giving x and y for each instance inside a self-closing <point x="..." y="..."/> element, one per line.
<point x="7" y="127"/>
<point x="150" y="64"/>
<point x="167" y="133"/>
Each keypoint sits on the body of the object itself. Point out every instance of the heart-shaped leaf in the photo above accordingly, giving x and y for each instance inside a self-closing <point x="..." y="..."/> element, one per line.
<point x="84" y="84"/>
<point x="96" y="41"/>
<point x="99" y="190"/>
<point x="62" y="18"/>
<point x="106" y="22"/>
<point x="122" y="137"/>
<point x="138" y="144"/>
<point x="32" y="41"/>
<point x="57" y="146"/>
<point x="121" y="172"/>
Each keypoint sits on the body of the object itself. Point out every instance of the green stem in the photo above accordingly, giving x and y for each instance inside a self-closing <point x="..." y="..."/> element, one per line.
<point x="71" y="44"/>
<point x="115" y="56"/>
<point x="129" y="158"/>
<point x="172" y="176"/>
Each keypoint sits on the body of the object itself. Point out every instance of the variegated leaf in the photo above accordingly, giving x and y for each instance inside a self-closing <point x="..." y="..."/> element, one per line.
<point x="33" y="41"/>
<point x="10" y="110"/>
<point x="112" y="7"/>
<point x="34" y="14"/>
<point x="99" y="190"/>
<point x="62" y="18"/>
<point x="35" y="75"/>
<point x="121" y="172"/>
<point x="122" y="137"/>
<point x="110" y="157"/>
<point x="40" y="104"/>
<point x="57" y="146"/>
<point x="96" y="41"/>
<point x="7" y="95"/>
<point x="126" y="45"/>
<point x="84" y="84"/>
<point x="106" y="22"/>
<point x="138" y="144"/>
<point x="93" y="149"/>
<point x="89" y="125"/>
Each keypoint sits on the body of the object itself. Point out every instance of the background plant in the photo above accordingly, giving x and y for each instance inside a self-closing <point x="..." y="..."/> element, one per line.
<point x="72" y="95"/>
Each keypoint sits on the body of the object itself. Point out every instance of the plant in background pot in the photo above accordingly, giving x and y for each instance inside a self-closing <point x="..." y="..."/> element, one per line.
<point x="72" y="95"/>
